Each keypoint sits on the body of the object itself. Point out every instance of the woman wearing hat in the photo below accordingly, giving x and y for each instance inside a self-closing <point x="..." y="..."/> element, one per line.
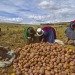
<point x="29" y="34"/>
<point x="70" y="32"/>
<point x="46" y="34"/>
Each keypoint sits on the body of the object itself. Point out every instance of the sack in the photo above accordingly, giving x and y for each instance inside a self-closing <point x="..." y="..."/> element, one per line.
<point x="59" y="41"/>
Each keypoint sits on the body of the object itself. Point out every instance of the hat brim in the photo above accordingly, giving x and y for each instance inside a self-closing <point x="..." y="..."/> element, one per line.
<point x="41" y="33"/>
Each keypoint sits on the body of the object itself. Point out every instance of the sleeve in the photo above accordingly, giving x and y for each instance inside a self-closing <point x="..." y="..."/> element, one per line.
<point x="54" y="33"/>
<point x="66" y="30"/>
<point x="33" y="36"/>
<point x="25" y="32"/>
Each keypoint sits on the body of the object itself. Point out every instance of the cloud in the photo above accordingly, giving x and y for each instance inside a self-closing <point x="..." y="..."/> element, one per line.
<point x="11" y="20"/>
<point x="60" y="15"/>
<point x="36" y="11"/>
<point x="48" y="5"/>
<point x="59" y="11"/>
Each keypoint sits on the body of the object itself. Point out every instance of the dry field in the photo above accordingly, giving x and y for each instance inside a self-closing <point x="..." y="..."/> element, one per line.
<point x="14" y="37"/>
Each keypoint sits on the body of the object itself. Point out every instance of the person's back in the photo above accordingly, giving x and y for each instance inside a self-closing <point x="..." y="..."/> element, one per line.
<point x="49" y="34"/>
<point x="49" y="28"/>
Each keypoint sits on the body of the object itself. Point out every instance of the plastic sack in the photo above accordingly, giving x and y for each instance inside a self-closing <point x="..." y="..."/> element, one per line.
<point x="59" y="41"/>
<point x="8" y="63"/>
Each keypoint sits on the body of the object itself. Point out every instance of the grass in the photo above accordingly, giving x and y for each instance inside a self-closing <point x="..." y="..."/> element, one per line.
<point x="14" y="37"/>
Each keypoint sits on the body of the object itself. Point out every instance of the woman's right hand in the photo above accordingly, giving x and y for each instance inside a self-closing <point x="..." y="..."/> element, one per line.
<point x="29" y="37"/>
<point x="36" y="35"/>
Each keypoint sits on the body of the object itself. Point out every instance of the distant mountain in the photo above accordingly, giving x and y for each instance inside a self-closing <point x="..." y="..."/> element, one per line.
<point x="46" y="24"/>
<point x="60" y="23"/>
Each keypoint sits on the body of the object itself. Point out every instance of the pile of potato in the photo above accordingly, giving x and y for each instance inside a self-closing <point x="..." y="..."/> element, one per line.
<point x="44" y="59"/>
<point x="71" y="42"/>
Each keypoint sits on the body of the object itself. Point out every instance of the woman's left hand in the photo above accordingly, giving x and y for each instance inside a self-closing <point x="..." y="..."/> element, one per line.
<point x="36" y="35"/>
<point x="32" y="39"/>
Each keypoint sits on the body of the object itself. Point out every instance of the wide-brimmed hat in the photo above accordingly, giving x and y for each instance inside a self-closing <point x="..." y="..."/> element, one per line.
<point x="30" y="30"/>
<point x="40" y="32"/>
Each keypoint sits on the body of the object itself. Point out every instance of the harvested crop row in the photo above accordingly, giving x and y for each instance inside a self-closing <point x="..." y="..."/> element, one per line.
<point x="44" y="59"/>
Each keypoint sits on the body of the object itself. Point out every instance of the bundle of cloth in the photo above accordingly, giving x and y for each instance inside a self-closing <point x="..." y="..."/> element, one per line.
<point x="5" y="52"/>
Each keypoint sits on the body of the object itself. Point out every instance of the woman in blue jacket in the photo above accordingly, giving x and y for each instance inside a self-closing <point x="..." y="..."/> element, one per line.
<point x="70" y="32"/>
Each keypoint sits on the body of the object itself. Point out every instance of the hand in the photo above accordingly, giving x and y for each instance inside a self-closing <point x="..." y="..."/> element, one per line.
<point x="42" y="39"/>
<point x="36" y="35"/>
<point x="29" y="37"/>
<point x="32" y="39"/>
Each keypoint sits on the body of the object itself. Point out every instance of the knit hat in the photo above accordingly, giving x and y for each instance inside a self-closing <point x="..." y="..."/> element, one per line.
<point x="30" y="30"/>
<point x="72" y="24"/>
<point x="40" y="32"/>
<point x="74" y="21"/>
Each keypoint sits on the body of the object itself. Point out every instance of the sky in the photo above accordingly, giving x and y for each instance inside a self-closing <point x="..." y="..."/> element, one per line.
<point x="36" y="12"/>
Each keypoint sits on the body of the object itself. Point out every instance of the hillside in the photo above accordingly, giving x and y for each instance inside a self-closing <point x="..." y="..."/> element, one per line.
<point x="14" y="37"/>
<point x="15" y="34"/>
<point x="60" y="23"/>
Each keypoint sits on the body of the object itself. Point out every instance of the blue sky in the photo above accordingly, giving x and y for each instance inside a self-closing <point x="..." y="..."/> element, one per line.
<point x="37" y="11"/>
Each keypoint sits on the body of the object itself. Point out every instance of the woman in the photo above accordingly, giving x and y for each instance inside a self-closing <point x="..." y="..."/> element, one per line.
<point x="29" y="34"/>
<point x="46" y="34"/>
<point x="70" y="32"/>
